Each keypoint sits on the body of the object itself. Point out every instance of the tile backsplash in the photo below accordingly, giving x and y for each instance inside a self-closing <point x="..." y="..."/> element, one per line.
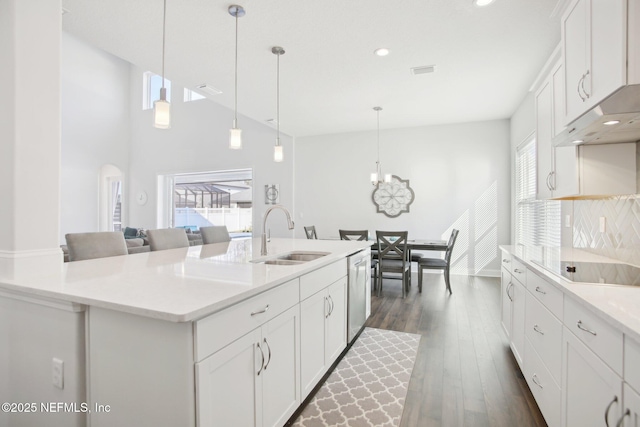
<point x="621" y="237"/>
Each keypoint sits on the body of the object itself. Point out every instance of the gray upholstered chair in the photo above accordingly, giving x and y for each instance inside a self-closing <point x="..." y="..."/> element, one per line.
<point x="167" y="238"/>
<point x="100" y="244"/>
<point x="310" y="231"/>
<point x="438" y="263"/>
<point x="215" y="234"/>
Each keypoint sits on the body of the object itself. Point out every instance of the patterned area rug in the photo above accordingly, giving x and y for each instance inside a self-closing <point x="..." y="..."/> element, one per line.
<point x="369" y="385"/>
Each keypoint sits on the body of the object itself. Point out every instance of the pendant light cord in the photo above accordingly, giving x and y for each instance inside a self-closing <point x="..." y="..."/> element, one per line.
<point x="164" y="25"/>
<point x="235" y="112"/>
<point x="278" y="97"/>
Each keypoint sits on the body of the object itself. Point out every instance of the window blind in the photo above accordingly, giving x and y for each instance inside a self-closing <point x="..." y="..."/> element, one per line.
<point x="537" y="221"/>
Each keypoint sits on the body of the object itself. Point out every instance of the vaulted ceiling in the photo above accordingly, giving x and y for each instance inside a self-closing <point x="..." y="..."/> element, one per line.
<point x="330" y="80"/>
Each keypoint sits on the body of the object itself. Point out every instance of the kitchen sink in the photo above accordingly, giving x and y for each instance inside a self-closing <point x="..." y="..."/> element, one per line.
<point x="292" y="258"/>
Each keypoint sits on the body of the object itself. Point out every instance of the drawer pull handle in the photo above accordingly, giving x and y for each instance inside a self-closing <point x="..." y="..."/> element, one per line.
<point x="264" y="310"/>
<point x="517" y="270"/>
<point x="579" y="324"/>
<point x="327" y="308"/>
<point x="262" y="355"/>
<point x="507" y="290"/>
<point x="536" y="380"/>
<point x="606" y="412"/>
<point x="506" y="261"/>
<point x="540" y="290"/>
<point x="269" y="348"/>
<point x="537" y="329"/>
<point x="331" y="305"/>
<point x="621" y="420"/>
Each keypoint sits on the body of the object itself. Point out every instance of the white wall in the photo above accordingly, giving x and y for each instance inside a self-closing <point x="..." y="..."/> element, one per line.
<point x="95" y="129"/>
<point x="460" y="174"/>
<point x="198" y="141"/>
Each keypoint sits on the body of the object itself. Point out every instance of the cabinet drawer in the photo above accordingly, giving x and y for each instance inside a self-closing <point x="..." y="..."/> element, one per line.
<point x="550" y="296"/>
<point x="544" y="332"/>
<point x="543" y="388"/>
<point x="506" y="261"/>
<point x="519" y="271"/>
<point x="631" y="365"/>
<point x="319" y="279"/>
<point x="220" y="329"/>
<point x="602" y="338"/>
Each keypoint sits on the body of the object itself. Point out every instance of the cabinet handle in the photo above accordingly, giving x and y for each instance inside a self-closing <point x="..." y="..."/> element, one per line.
<point x="621" y="420"/>
<point x="578" y="88"/>
<point x="261" y="354"/>
<point x="579" y="324"/>
<point x="327" y="311"/>
<point x="537" y="329"/>
<point x="587" y="95"/>
<point x="548" y="181"/>
<point x="506" y="261"/>
<point x="552" y="180"/>
<point x="264" y="310"/>
<point x="606" y="412"/>
<point x="517" y="270"/>
<point x="540" y="290"/>
<point x="507" y="290"/>
<point x="535" y="379"/>
<point x="331" y="305"/>
<point x="268" y="348"/>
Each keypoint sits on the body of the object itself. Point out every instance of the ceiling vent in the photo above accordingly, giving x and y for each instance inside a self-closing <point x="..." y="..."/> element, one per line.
<point x="208" y="89"/>
<point x="423" y="70"/>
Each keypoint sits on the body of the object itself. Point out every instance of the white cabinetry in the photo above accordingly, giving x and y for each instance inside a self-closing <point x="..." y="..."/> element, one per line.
<point x="557" y="166"/>
<point x="594" y="40"/>
<point x="513" y="304"/>
<point x="323" y="327"/>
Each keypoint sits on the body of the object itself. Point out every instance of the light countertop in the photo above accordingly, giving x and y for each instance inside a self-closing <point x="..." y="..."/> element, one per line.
<point x="617" y="305"/>
<point x="178" y="285"/>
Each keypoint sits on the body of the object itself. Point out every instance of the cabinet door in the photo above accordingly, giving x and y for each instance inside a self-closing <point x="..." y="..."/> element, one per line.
<point x="575" y="31"/>
<point x="281" y="374"/>
<point x="506" y="301"/>
<point x="544" y="130"/>
<point x="566" y="177"/>
<point x="518" y="294"/>
<point x="228" y="384"/>
<point x="557" y="85"/>
<point x="336" y="330"/>
<point x="590" y="389"/>
<point x="631" y="412"/>
<point x="313" y="311"/>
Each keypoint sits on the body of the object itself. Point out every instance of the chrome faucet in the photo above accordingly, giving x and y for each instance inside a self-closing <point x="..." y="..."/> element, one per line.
<point x="263" y="249"/>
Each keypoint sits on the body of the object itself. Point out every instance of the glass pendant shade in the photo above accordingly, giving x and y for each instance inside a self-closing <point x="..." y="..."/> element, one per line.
<point x="387" y="177"/>
<point x="278" y="153"/>
<point x="235" y="139"/>
<point x="162" y="112"/>
<point x="374" y="178"/>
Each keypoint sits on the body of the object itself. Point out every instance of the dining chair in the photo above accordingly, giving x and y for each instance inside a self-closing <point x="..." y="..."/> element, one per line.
<point x="439" y="263"/>
<point x="167" y="238"/>
<point x="215" y="234"/>
<point x="393" y="258"/>
<point x="310" y="231"/>
<point x="102" y="244"/>
<point x="363" y="235"/>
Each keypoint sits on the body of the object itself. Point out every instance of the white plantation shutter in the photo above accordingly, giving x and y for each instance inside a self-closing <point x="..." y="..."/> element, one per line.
<point x="537" y="221"/>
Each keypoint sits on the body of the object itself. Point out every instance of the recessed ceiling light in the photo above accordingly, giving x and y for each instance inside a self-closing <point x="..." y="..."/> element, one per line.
<point x="481" y="3"/>
<point x="381" y="51"/>
<point x="611" y="122"/>
<point x="578" y="141"/>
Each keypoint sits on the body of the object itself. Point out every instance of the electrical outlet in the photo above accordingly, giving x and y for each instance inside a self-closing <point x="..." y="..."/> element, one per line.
<point x="57" y="373"/>
<point x="603" y="224"/>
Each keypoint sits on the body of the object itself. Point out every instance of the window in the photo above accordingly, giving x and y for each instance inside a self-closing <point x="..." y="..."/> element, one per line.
<point x="190" y="95"/>
<point x="151" y="84"/>
<point x="537" y="221"/>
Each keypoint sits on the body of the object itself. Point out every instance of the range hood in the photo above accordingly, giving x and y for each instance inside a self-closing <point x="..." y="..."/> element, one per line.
<point x="622" y="106"/>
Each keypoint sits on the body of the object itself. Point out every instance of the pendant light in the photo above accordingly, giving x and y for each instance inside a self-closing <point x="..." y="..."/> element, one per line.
<point x="375" y="177"/>
<point x="278" y="154"/>
<point x="162" y="107"/>
<point x="235" y="134"/>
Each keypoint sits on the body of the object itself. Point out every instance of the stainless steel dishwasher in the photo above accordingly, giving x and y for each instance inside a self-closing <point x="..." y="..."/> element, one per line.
<point x="359" y="293"/>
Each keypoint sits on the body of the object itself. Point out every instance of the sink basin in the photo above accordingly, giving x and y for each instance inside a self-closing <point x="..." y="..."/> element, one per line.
<point x="282" y="262"/>
<point x="293" y="258"/>
<point x="303" y="256"/>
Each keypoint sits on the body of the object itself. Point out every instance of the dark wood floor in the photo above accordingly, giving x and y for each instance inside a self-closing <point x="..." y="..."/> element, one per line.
<point x="465" y="373"/>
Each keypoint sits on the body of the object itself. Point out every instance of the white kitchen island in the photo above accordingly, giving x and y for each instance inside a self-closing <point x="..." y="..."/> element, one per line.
<point x="199" y="336"/>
